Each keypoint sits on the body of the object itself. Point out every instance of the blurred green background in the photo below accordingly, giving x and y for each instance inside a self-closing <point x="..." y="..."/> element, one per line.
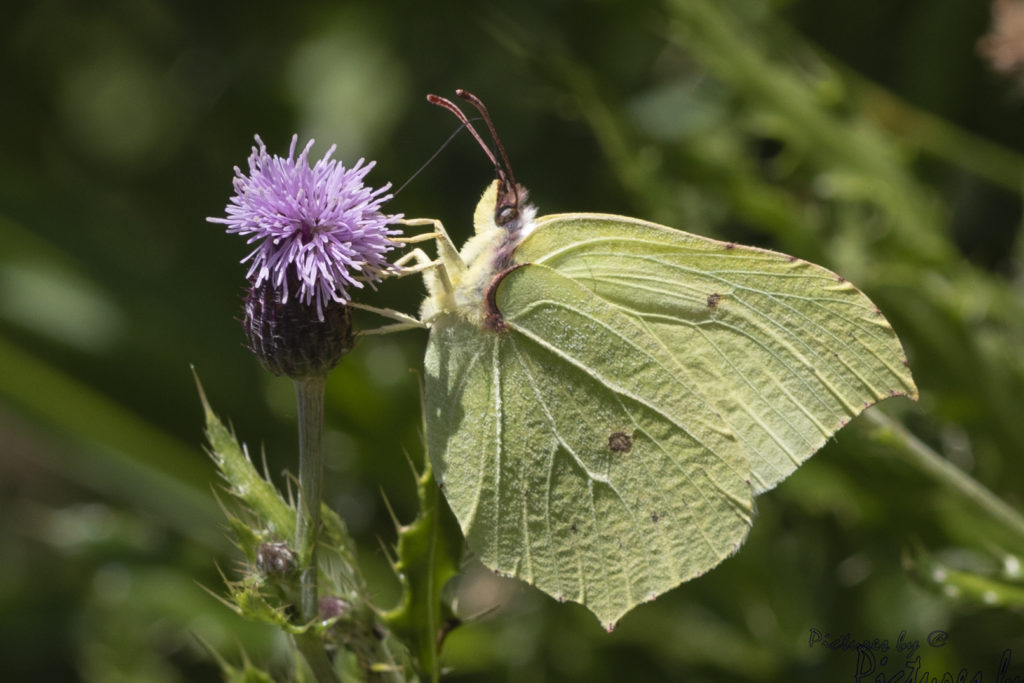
<point x="873" y="137"/>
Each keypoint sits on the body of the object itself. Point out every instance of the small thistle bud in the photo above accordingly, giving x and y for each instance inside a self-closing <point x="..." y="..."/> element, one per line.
<point x="275" y="559"/>
<point x="290" y="338"/>
<point x="330" y="607"/>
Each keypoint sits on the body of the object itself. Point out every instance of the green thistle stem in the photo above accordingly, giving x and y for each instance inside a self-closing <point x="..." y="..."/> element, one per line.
<point x="309" y="393"/>
<point x="312" y="649"/>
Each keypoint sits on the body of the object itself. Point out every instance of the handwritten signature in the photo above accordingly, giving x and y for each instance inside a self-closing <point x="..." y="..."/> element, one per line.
<point x="880" y="662"/>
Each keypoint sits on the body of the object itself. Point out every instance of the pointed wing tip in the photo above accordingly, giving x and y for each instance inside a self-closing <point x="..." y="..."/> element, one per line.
<point x="610" y="620"/>
<point x="911" y="394"/>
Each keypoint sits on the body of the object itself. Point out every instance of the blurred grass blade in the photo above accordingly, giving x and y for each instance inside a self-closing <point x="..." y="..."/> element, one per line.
<point x="962" y="584"/>
<point x="121" y="455"/>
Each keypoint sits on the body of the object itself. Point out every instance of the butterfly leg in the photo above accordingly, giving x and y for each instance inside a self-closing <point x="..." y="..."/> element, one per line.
<point x="439" y="232"/>
<point x="405" y="321"/>
<point x="388" y="329"/>
<point x="435" y="272"/>
<point x="448" y="259"/>
<point x="419" y="257"/>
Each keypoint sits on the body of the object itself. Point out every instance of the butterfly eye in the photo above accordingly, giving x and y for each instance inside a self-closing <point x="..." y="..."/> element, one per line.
<point x="506" y="214"/>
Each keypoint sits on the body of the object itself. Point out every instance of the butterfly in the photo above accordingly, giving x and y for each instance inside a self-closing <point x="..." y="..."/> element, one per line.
<point x="605" y="396"/>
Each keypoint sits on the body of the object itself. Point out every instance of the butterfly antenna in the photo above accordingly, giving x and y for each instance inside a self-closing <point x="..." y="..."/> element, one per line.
<point x="431" y="159"/>
<point x="503" y="175"/>
<point x="476" y="102"/>
<point x="451" y="106"/>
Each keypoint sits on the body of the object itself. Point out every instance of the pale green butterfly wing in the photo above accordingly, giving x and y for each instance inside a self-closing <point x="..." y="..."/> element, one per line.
<point x="787" y="351"/>
<point x="601" y="415"/>
<point x="575" y="450"/>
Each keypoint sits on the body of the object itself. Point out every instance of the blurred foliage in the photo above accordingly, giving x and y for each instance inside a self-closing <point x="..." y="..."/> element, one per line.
<point x="870" y="137"/>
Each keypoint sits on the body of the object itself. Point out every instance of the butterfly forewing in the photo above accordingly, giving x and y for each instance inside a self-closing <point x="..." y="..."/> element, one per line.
<point x="787" y="351"/>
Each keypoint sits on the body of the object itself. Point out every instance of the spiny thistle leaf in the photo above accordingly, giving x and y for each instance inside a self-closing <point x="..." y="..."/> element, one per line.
<point x="337" y="558"/>
<point x="247" y="539"/>
<point x="243" y="480"/>
<point x="248" y="673"/>
<point x="251" y="603"/>
<point x="428" y="553"/>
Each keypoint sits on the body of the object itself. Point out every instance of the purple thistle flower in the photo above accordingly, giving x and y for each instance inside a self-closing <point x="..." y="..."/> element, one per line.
<point x="317" y="228"/>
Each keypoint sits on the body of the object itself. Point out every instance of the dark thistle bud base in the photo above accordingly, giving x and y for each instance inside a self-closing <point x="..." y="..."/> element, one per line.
<point x="289" y="338"/>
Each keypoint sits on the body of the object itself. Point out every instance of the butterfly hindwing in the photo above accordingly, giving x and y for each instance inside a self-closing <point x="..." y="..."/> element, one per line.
<point x="575" y="450"/>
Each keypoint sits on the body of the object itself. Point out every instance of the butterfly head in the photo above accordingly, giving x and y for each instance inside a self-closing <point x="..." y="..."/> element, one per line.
<point x="512" y="211"/>
<point x="505" y="210"/>
<point x="503" y="218"/>
<point x="505" y="200"/>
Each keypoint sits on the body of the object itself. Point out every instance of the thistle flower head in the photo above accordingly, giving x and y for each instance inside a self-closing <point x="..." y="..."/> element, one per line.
<point x="318" y="229"/>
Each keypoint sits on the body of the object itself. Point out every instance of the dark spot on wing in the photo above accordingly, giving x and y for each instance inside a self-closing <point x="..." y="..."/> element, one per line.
<point x="713" y="300"/>
<point x="654" y="517"/>
<point x="840" y="279"/>
<point x="620" y="442"/>
<point x="730" y="245"/>
<point x="572" y="527"/>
